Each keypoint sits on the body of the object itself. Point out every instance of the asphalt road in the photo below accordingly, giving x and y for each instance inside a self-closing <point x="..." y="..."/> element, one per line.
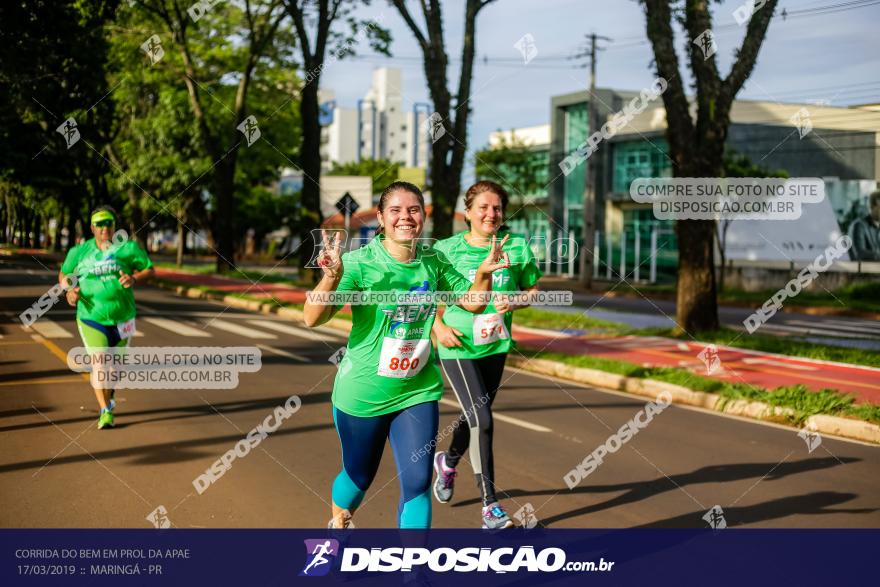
<point x="655" y="313"/>
<point x="58" y="470"/>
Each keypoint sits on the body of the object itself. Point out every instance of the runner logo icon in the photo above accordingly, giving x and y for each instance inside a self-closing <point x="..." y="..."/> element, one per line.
<point x="320" y="554"/>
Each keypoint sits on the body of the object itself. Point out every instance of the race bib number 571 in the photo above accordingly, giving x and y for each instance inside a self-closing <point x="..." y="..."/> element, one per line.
<point x="402" y="358"/>
<point x="489" y="328"/>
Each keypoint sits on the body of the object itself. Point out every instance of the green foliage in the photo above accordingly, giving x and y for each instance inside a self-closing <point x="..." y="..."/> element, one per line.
<point x="739" y="165"/>
<point x="382" y="171"/>
<point x="52" y="66"/>
<point x="521" y="169"/>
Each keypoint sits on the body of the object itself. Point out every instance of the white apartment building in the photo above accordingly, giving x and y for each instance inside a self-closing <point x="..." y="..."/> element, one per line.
<point x="382" y="125"/>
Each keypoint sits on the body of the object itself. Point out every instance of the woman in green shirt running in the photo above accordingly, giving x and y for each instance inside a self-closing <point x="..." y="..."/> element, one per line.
<point x="106" y="268"/>
<point x="473" y="347"/>
<point x="388" y="382"/>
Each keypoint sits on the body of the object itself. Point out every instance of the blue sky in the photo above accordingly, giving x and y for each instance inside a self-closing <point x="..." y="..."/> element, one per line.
<point x="831" y="56"/>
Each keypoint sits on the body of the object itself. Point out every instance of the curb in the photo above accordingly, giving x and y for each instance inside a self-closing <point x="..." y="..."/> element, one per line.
<point x="821" y="423"/>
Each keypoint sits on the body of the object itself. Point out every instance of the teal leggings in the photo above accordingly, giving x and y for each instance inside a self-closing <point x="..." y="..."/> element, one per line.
<point x="411" y="432"/>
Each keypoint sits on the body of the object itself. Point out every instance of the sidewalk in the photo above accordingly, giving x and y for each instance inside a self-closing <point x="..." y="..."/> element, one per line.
<point x="736" y="365"/>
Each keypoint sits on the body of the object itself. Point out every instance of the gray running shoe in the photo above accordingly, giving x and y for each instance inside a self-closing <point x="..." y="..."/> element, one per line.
<point x="495" y="518"/>
<point x="444" y="484"/>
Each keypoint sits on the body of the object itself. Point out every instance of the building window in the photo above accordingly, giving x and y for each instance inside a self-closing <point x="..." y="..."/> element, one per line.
<point x="639" y="159"/>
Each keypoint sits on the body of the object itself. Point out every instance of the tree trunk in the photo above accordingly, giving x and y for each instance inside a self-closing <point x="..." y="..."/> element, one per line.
<point x="56" y="244"/>
<point x="27" y="222"/>
<point x="444" y="193"/>
<point x="310" y="208"/>
<point x="696" y="302"/>
<point x="71" y="225"/>
<point x="136" y="222"/>
<point x="224" y="225"/>
<point x="37" y="225"/>
<point x="696" y="292"/>
<point x="181" y="238"/>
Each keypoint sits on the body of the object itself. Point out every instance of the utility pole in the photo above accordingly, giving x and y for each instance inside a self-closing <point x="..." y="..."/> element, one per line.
<point x="591" y="176"/>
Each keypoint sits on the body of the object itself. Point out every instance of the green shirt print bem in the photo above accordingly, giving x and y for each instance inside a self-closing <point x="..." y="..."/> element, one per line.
<point x="390" y="363"/>
<point x="102" y="297"/>
<point x="487" y="333"/>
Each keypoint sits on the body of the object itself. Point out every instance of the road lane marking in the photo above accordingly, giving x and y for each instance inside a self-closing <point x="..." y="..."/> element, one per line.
<point x="49" y="329"/>
<point x="294" y="330"/>
<point x="503" y="418"/>
<point x="816" y="331"/>
<point x="241" y="330"/>
<point x="42" y="380"/>
<point x="177" y="327"/>
<point x="56" y="350"/>
<point x="834" y="327"/>
<point x="283" y="353"/>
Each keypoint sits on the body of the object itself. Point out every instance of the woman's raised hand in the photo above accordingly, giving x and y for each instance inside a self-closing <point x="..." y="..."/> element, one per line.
<point x="497" y="258"/>
<point x="330" y="257"/>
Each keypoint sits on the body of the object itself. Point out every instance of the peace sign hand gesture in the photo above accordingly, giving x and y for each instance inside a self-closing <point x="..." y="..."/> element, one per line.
<point x="330" y="257"/>
<point x="496" y="259"/>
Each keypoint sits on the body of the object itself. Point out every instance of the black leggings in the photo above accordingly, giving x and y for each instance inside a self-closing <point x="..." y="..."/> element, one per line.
<point x="475" y="383"/>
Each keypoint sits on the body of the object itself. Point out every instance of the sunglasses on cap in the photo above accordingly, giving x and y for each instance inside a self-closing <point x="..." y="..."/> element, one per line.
<point x="104" y="224"/>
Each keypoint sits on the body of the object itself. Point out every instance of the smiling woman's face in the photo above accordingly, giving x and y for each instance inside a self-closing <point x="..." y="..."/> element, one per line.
<point x="486" y="214"/>
<point x="403" y="216"/>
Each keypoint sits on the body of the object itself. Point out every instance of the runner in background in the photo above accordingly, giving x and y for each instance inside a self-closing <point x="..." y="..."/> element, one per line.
<point x="473" y="347"/>
<point x="106" y="268"/>
<point x="388" y="383"/>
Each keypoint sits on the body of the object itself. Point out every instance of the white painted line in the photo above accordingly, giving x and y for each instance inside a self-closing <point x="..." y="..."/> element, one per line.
<point x="816" y="331"/>
<point x="240" y="330"/>
<point x="283" y="353"/>
<point x="866" y="323"/>
<point x="837" y="325"/>
<point x="503" y="418"/>
<point x="49" y="329"/>
<point x="753" y="360"/>
<point x="543" y="332"/>
<point x="683" y="346"/>
<point x="177" y="327"/>
<point x="290" y="329"/>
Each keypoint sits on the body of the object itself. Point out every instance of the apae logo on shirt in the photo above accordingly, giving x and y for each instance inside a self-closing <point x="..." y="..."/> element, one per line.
<point x="410" y="313"/>
<point x="105" y="268"/>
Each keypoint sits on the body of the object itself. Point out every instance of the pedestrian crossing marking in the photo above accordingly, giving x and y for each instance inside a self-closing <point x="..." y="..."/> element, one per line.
<point x="177" y="327"/>
<point x="49" y="329"/>
<point x="240" y="330"/>
<point x="294" y="330"/>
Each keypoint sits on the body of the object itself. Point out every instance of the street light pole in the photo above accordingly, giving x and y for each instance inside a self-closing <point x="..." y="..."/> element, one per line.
<point x="591" y="176"/>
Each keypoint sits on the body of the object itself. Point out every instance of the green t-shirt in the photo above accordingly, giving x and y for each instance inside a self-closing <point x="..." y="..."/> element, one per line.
<point x="102" y="297"/>
<point x="487" y="333"/>
<point x="389" y="363"/>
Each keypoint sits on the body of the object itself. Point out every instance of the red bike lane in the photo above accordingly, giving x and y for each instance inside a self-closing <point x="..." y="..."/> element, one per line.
<point x="735" y="365"/>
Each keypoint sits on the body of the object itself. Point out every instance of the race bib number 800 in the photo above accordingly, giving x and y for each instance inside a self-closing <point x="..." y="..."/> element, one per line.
<point x="401" y="358"/>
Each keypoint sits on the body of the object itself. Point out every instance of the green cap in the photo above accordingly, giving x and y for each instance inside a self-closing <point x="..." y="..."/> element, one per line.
<point x="102" y="215"/>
